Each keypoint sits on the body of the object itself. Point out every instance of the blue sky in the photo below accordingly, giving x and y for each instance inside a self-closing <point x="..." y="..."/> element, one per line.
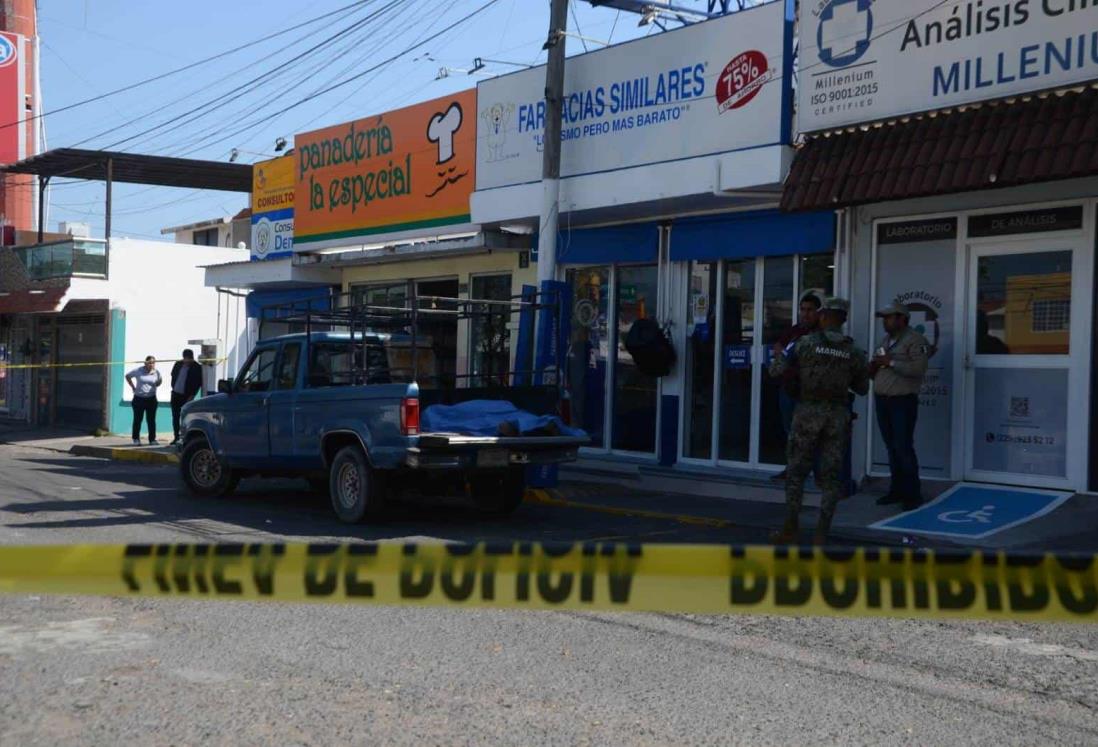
<point x="90" y="47"/>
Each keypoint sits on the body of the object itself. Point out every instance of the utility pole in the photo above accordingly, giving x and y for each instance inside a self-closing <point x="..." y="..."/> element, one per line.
<point x="550" y="170"/>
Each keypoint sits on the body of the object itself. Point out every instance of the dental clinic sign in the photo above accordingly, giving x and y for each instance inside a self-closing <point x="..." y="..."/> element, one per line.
<point x="273" y="208"/>
<point x="708" y="88"/>
<point x="866" y="60"/>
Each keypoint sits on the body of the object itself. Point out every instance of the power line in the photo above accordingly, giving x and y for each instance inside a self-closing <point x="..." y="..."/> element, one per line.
<point x="191" y="66"/>
<point x="258" y="118"/>
<point x="212" y="105"/>
<point x="205" y="89"/>
<point x="364" y="73"/>
<point x="356" y="63"/>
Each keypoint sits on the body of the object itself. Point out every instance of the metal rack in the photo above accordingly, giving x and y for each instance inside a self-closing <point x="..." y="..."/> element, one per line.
<point x="342" y="314"/>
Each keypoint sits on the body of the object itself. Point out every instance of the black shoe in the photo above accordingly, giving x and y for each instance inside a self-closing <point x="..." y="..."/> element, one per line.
<point x="174" y="441"/>
<point x="889" y="499"/>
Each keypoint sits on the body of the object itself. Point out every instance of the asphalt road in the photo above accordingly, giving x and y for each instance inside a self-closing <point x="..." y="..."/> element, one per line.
<point x="121" y="671"/>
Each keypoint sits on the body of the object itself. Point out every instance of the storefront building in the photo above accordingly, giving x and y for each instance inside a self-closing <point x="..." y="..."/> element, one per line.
<point x="967" y="191"/>
<point x="674" y="151"/>
<point x="77" y="313"/>
<point x="384" y="201"/>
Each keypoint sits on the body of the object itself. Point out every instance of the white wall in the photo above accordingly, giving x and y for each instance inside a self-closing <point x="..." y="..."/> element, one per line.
<point x="741" y="170"/>
<point x="161" y="288"/>
<point x="224" y="235"/>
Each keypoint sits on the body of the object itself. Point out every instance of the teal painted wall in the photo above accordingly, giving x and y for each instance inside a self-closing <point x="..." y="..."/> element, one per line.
<point x="120" y="416"/>
<point x="121" y="412"/>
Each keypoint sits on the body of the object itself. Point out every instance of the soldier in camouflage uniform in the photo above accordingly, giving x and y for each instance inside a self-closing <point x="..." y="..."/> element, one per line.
<point x="830" y="366"/>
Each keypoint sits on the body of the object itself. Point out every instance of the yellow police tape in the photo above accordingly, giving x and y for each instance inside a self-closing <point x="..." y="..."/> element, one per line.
<point x="17" y="366"/>
<point x="852" y="582"/>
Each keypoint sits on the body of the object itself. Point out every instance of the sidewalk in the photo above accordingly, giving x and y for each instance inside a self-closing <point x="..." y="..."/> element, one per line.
<point x="79" y="443"/>
<point x="1070" y="528"/>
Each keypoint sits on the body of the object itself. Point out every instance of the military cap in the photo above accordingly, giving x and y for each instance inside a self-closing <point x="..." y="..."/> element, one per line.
<point x="834" y="303"/>
<point x="893" y="309"/>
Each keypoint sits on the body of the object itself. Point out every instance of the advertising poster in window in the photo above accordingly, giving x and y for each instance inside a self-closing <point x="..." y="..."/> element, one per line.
<point x="915" y="267"/>
<point x="1021" y="421"/>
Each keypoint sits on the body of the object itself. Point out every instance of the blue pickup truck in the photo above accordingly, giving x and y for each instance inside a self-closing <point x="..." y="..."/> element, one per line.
<point x="299" y="408"/>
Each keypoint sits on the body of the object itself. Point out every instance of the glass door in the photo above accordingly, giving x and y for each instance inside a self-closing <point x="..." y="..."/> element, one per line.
<point x="633" y="412"/>
<point x="1024" y="325"/>
<point x="738" y="309"/>
<point x="589" y="350"/>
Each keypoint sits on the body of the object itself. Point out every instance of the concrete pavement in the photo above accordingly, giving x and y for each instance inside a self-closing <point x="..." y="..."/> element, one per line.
<point x="752" y="506"/>
<point x="151" y="671"/>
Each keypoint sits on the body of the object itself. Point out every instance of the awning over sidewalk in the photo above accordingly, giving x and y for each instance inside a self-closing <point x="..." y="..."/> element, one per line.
<point x="1002" y="144"/>
<point x="36" y="301"/>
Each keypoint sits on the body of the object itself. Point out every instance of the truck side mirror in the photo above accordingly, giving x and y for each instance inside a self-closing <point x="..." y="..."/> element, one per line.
<point x="225" y="386"/>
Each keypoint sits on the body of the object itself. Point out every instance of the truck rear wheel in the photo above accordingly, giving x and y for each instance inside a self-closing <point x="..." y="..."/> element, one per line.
<point x="203" y="473"/>
<point x="499" y="493"/>
<point x="355" y="490"/>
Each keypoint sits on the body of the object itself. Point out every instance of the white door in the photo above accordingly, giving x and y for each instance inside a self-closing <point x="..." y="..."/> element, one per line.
<point x="1026" y="364"/>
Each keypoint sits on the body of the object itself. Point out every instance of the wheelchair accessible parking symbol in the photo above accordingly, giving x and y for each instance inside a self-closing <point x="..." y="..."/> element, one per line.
<point x="975" y="511"/>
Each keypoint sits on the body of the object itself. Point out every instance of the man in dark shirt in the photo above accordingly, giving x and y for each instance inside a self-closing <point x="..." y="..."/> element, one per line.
<point x="789" y="393"/>
<point x="186" y="382"/>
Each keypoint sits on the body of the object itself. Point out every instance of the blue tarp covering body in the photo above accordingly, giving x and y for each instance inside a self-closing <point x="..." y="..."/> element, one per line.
<point x="482" y="417"/>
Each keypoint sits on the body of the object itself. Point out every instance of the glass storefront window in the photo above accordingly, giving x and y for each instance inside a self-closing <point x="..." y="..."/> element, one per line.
<point x="818" y="275"/>
<point x="393" y="295"/>
<point x="589" y="350"/>
<point x="489" y="334"/>
<point x="634" y="404"/>
<point x="700" y="344"/>
<point x="750" y="427"/>
<point x="736" y="369"/>
<point x="778" y="316"/>
<point x="1023" y="304"/>
<point x="439" y="331"/>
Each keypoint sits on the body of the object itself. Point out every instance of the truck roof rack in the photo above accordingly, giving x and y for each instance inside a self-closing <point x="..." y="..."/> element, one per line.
<point x="545" y="311"/>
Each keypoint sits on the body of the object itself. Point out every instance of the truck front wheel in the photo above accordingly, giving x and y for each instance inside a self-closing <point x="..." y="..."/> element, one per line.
<point x="203" y="473"/>
<point x="499" y="493"/>
<point x="355" y="490"/>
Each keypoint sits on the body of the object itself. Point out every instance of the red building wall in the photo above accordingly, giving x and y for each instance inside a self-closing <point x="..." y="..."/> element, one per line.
<point x="18" y="192"/>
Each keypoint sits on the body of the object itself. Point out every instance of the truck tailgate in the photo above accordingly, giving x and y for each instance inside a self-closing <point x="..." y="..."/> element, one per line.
<point x="447" y="440"/>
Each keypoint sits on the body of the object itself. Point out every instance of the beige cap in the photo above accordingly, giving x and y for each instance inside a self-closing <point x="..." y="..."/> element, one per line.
<point x="893" y="309"/>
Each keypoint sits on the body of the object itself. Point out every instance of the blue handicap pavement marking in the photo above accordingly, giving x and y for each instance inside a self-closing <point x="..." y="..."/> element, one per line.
<point x="975" y="511"/>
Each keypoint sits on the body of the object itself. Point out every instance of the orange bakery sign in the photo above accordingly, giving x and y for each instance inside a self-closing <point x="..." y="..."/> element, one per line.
<point x="408" y="169"/>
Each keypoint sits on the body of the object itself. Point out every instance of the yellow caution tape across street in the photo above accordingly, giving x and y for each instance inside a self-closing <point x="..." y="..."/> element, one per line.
<point x="16" y="366"/>
<point x="721" y="579"/>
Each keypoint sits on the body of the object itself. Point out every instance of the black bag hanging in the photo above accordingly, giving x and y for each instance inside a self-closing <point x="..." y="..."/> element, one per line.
<point x="650" y="347"/>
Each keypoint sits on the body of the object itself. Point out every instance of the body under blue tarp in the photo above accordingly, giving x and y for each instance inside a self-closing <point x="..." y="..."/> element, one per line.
<point x="482" y="417"/>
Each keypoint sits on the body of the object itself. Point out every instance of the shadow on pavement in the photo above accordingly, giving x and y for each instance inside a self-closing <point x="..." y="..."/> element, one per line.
<point x="144" y="495"/>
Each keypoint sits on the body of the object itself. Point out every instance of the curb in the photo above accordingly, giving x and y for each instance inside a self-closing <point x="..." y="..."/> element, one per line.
<point x="123" y="454"/>
<point x="542" y="497"/>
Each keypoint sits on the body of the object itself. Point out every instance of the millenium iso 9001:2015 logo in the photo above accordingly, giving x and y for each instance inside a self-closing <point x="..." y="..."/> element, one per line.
<point x="844" y="30"/>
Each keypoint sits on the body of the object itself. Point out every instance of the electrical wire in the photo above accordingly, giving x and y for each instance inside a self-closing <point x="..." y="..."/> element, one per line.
<point x="206" y="88"/>
<point x="364" y="73"/>
<point x="258" y="118"/>
<point x="184" y="68"/>
<point x="212" y="105"/>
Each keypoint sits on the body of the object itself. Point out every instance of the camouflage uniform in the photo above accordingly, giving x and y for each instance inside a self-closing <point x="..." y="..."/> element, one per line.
<point x="830" y="366"/>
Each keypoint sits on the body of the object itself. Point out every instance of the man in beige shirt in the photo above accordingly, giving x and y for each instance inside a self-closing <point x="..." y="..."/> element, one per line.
<point x="898" y="369"/>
